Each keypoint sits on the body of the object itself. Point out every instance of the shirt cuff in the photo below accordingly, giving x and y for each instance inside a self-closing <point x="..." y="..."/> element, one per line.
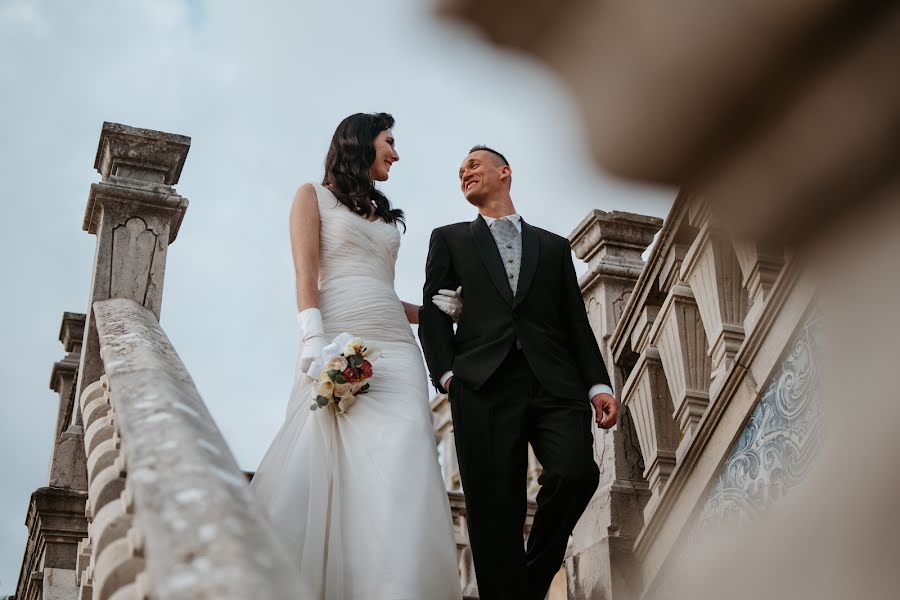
<point x="600" y="388"/>
<point x="445" y="378"/>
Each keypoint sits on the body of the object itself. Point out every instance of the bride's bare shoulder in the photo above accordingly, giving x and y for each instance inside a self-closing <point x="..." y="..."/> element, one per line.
<point x="305" y="204"/>
<point x="307" y="190"/>
<point x="306" y="195"/>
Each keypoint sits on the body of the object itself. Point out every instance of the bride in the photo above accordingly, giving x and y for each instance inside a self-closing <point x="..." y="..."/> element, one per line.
<point x="358" y="498"/>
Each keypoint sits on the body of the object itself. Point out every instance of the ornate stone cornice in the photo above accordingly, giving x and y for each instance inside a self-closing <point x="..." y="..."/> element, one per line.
<point x="141" y="154"/>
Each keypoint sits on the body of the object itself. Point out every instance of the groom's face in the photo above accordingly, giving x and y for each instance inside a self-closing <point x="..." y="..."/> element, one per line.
<point x="481" y="175"/>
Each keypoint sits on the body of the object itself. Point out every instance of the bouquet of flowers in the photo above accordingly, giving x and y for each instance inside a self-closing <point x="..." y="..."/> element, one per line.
<point x="343" y="372"/>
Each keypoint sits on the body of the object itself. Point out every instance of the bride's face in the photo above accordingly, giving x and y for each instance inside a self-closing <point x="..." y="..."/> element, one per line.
<point x="385" y="156"/>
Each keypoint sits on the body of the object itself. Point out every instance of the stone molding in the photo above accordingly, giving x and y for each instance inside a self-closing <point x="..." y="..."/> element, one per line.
<point x="141" y="154"/>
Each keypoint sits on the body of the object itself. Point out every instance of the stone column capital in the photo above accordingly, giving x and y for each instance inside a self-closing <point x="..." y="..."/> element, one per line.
<point x="615" y="234"/>
<point x="141" y="154"/>
<point x="138" y="169"/>
<point x="71" y="331"/>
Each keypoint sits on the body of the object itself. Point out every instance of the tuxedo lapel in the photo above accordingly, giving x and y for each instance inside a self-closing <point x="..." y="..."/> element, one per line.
<point x="530" y="253"/>
<point x="490" y="256"/>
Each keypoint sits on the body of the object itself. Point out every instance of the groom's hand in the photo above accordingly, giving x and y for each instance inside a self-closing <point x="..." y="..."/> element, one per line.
<point x="606" y="408"/>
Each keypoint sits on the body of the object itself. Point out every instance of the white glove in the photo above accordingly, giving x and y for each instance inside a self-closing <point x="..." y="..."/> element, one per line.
<point x="312" y="337"/>
<point x="450" y="302"/>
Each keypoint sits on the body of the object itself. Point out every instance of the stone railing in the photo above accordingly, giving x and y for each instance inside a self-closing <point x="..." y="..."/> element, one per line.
<point x="170" y="512"/>
<point x="692" y="340"/>
<point x="679" y="334"/>
<point x="144" y="498"/>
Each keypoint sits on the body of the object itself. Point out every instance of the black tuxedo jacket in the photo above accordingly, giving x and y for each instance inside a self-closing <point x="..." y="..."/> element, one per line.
<point x="546" y="315"/>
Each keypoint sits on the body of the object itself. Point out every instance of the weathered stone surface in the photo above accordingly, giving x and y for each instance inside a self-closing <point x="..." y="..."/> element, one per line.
<point x="681" y="341"/>
<point x="714" y="274"/>
<point x="55" y="524"/>
<point x="612" y="244"/>
<point x="135" y="214"/>
<point x="646" y="395"/>
<point x="141" y="154"/>
<point x="67" y="456"/>
<point x="203" y="534"/>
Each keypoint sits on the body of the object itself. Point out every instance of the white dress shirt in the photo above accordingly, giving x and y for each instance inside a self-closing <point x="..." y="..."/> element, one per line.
<point x="516" y="219"/>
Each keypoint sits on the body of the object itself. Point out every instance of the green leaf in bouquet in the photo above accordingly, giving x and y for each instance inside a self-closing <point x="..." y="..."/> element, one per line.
<point x="365" y="388"/>
<point x="321" y="401"/>
<point x="339" y="377"/>
<point x="356" y="361"/>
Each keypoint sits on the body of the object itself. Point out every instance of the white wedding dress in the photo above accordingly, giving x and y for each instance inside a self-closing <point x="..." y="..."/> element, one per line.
<point x="358" y="498"/>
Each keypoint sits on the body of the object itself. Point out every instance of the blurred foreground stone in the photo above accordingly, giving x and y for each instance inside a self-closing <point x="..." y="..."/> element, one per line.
<point x="780" y="122"/>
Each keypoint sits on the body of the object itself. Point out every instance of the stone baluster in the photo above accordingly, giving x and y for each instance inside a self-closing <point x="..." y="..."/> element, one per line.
<point x="714" y="274"/>
<point x="612" y="244"/>
<point x="760" y="265"/>
<point x="113" y="560"/>
<point x="135" y="214"/>
<point x="679" y="337"/>
<point x="646" y="395"/>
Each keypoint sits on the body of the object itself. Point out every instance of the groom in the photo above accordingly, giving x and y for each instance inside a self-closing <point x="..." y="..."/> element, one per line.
<point x="522" y="367"/>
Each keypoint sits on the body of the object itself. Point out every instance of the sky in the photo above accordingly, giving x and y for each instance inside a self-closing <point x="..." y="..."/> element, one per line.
<point x="259" y="91"/>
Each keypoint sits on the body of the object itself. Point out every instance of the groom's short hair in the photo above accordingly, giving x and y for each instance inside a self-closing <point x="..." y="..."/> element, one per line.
<point x="492" y="151"/>
<point x="502" y="158"/>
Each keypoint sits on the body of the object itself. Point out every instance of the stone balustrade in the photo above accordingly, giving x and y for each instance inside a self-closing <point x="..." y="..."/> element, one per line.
<point x="677" y="339"/>
<point x="170" y="513"/>
<point x="144" y="498"/>
<point x="691" y="341"/>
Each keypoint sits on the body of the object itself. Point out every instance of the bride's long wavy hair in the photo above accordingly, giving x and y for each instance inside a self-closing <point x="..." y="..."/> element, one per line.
<point x="350" y="155"/>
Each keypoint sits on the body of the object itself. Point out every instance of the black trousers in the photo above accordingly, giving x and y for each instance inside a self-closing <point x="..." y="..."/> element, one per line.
<point x="493" y="427"/>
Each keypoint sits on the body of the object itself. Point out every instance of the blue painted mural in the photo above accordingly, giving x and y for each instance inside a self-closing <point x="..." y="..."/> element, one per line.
<point x="778" y="444"/>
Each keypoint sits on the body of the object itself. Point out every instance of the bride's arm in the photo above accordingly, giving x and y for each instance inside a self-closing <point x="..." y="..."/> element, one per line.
<point x="412" y="312"/>
<point x="304" y="223"/>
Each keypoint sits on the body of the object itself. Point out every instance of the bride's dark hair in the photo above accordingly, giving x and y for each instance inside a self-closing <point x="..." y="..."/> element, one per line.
<point x="350" y="155"/>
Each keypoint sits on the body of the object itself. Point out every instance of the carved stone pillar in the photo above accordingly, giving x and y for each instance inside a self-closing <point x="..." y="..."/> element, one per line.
<point x="71" y="334"/>
<point x="681" y="341"/>
<point x="714" y="274"/>
<point x="67" y="460"/>
<point x="646" y="394"/>
<point x="56" y="525"/>
<point x="612" y="244"/>
<point x="760" y="266"/>
<point x="135" y="214"/>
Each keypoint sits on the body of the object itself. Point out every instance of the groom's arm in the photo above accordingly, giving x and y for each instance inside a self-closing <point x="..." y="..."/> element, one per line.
<point x="435" y="327"/>
<point x="588" y="356"/>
